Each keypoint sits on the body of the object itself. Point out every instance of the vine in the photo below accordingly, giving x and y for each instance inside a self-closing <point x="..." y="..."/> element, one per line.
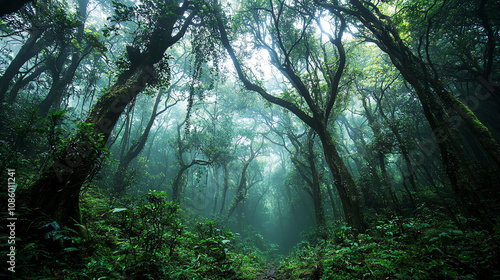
<point x="206" y="53"/>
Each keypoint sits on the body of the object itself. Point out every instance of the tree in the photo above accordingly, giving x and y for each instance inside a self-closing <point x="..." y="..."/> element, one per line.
<point x="244" y="186"/>
<point x="138" y="145"/>
<point x="311" y="98"/>
<point x="62" y="71"/>
<point x="457" y="39"/>
<point x="304" y="159"/>
<point x="58" y="188"/>
<point x="43" y="23"/>
<point x="183" y="145"/>
<point x="439" y="105"/>
<point x="375" y="189"/>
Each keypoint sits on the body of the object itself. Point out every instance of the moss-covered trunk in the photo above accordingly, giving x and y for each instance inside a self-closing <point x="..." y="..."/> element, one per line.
<point x="435" y="101"/>
<point x="319" y="210"/>
<point x="56" y="193"/>
<point x="242" y="189"/>
<point x="349" y="194"/>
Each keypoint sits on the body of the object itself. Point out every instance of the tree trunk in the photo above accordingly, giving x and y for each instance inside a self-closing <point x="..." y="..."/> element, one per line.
<point x="57" y="191"/>
<point x="242" y="187"/>
<point x="217" y="184"/>
<point x="32" y="46"/>
<point x="346" y="187"/>
<point x="316" y="184"/>
<point x="311" y="177"/>
<point x="59" y="86"/>
<point x="332" y="202"/>
<point x="14" y="91"/>
<point x="374" y="189"/>
<point x="134" y="150"/>
<point x="380" y="156"/>
<point x="402" y="146"/>
<point x="226" y="187"/>
<point x="177" y="183"/>
<point x="61" y="82"/>
<point x="435" y="100"/>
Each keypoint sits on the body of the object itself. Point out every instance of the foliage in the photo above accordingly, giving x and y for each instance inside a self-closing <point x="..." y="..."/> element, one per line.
<point x="423" y="247"/>
<point x="252" y="244"/>
<point x="145" y="238"/>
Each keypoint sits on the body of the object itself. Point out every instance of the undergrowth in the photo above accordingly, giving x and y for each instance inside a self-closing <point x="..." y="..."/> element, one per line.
<point x="150" y="238"/>
<point x="146" y="238"/>
<point x="423" y="247"/>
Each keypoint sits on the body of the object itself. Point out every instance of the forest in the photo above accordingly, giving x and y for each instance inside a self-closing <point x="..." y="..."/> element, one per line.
<point x="250" y="139"/>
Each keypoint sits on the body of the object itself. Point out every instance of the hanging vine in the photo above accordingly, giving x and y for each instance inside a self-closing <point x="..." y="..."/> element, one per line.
<point x="206" y="53"/>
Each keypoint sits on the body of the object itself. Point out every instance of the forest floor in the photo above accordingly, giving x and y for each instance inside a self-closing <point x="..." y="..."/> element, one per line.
<point x="122" y="242"/>
<point x="270" y="273"/>
<point x="427" y="246"/>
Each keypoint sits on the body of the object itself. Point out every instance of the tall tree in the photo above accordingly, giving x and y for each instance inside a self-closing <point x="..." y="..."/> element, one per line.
<point x="439" y="105"/>
<point x="137" y="146"/>
<point x="43" y="24"/>
<point x="182" y="146"/>
<point x="304" y="158"/>
<point x="313" y="68"/>
<point x="57" y="190"/>
<point x="244" y="186"/>
<point x="63" y="71"/>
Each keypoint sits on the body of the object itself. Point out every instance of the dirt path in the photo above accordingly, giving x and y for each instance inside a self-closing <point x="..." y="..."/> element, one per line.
<point x="270" y="273"/>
